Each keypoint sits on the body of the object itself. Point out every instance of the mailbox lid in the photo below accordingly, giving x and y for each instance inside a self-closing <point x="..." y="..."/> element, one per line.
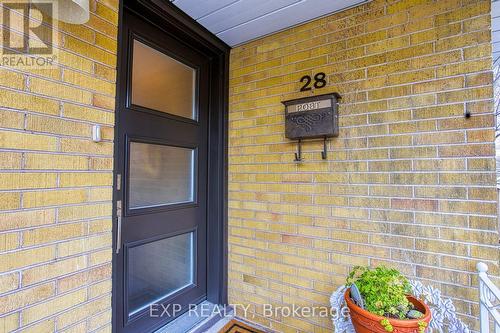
<point x="333" y="97"/>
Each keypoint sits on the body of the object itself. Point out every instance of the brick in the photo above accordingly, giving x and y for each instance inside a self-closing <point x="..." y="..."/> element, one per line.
<point x="97" y="23"/>
<point x="71" y="145"/>
<point x="480" y="193"/>
<point x="412" y="127"/>
<point x="9" y="282"/>
<point x="414" y="204"/>
<point x="439" y="85"/>
<point x="480" y="107"/>
<point x="87" y="179"/>
<point x="389" y="92"/>
<point x="486" y="164"/>
<point x="53" y="306"/>
<point x="58" y="90"/>
<point x="448" y="62"/>
<point x="100" y="194"/>
<point x="56" y="269"/>
<point x="477" y="23"/>
<point x="296" y="240"/>
<point x="483" y="252"/>
<point x="75" y="61"/>
<point x="439" y="138"/>
<point x="53" y="233"/>
<point x="25" y="141"/>
<point x="465" y="95"/>
<point x="22" y="101"/>
<point x="106" y="42"/>
<point x="466" y="150"/>
<point x="463" y="68"/>
<point x="468" y="207"/>
<point x="414" y="178"/>
<point x="10" y="322"/>
<point x="56" y="162"/>
<point x="84" y="277"/>
<point x="480" y="79"/>
<point x="436" y="219"/>
<point x="105" y="329"/>
<point x="101" y="257"/>
<point x="462" y="122"/>
<point x="9" y="241"/>
<point x="44" y="326"/>
<point x="389" y="117"/>
<point x="53" y="198"/>
<point x="435" y="274"/>
<point x="460" y="41"/>
<point x="11" y="79"/>
<point x="467" y="178"/>
<point x="469" y="235"/>
<point x="82" y="312"/>
<point x="90" y="51"/>
<point x="390" y="141"/>
<point x="411" y="77"/>
<point x="482" y="7"/>
<point x="82" y="33"/>
<point x="412" y="101"/>
<point x="439" y="111"/>
<point x="90" y="114"/>
<point x="441" y="192"/>
<point x="19" y="259"/>
<point x="83" y="212"/>
<point x="100" y="320"/>
<point x="14" y="120"/>
<point x="380" y="190"/>
<point x="108" y="10"/>
<point x="105" y="72"/>
<point x="436" y="34"/>
<point x="388" y="44"/>
<point x="410" y="52"/>
<point x="478" y="51"/>
<point x="57" y="126"/>
<point x="89" y="82"/>
<point x="404" y="5"/>
<point x="25" y="219"/>
<point x="9" y="160"/>
<point x="26" y="297"/>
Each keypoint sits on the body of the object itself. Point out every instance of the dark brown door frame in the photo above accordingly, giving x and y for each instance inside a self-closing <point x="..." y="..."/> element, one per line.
<point x="177" y="24"/>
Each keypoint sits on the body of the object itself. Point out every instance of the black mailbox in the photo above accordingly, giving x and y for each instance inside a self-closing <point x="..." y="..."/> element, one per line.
<point x="312" y="117"/>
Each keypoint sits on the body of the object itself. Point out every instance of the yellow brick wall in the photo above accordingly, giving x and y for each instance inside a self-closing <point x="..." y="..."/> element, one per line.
<point x="409" y="182"/>
<point x="56" y="184"/>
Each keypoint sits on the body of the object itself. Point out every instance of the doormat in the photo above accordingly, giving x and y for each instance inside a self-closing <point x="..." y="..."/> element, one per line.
<point x="235" y="326"/>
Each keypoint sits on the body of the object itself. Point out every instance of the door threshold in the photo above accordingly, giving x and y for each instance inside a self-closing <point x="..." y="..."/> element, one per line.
<point x="200" y="319"/>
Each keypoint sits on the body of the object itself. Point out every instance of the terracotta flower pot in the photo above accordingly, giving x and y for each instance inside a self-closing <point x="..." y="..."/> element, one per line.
<point x="366" y="322"/>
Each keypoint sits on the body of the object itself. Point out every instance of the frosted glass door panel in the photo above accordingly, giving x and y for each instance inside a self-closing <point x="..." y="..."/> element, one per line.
<point x="160" y="175"/>
<point x="159" y="269"/>
<point x="162" y="83"/>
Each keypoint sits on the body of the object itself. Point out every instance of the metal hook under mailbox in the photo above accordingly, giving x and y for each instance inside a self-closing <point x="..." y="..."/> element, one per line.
<point x="324" y="154"/>
<point x="298" y="154"/>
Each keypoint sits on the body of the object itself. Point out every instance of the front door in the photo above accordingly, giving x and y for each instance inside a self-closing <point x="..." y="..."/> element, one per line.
<point x="161" y="206"/>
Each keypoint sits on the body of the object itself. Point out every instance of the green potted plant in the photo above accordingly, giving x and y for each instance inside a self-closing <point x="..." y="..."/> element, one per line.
<point x="380" y="300"/>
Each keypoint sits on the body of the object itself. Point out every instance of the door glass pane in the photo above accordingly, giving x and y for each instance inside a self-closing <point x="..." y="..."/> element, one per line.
<point x="159" y="269"/>
<point x="160" y="175"/>
<point x="162" y="83"/>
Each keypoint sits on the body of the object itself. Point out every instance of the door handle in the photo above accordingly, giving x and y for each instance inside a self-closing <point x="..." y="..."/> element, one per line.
<point x="119" y="226"/>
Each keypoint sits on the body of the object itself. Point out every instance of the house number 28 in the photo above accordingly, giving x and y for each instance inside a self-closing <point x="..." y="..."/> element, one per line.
<point x="319" y="81"/>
